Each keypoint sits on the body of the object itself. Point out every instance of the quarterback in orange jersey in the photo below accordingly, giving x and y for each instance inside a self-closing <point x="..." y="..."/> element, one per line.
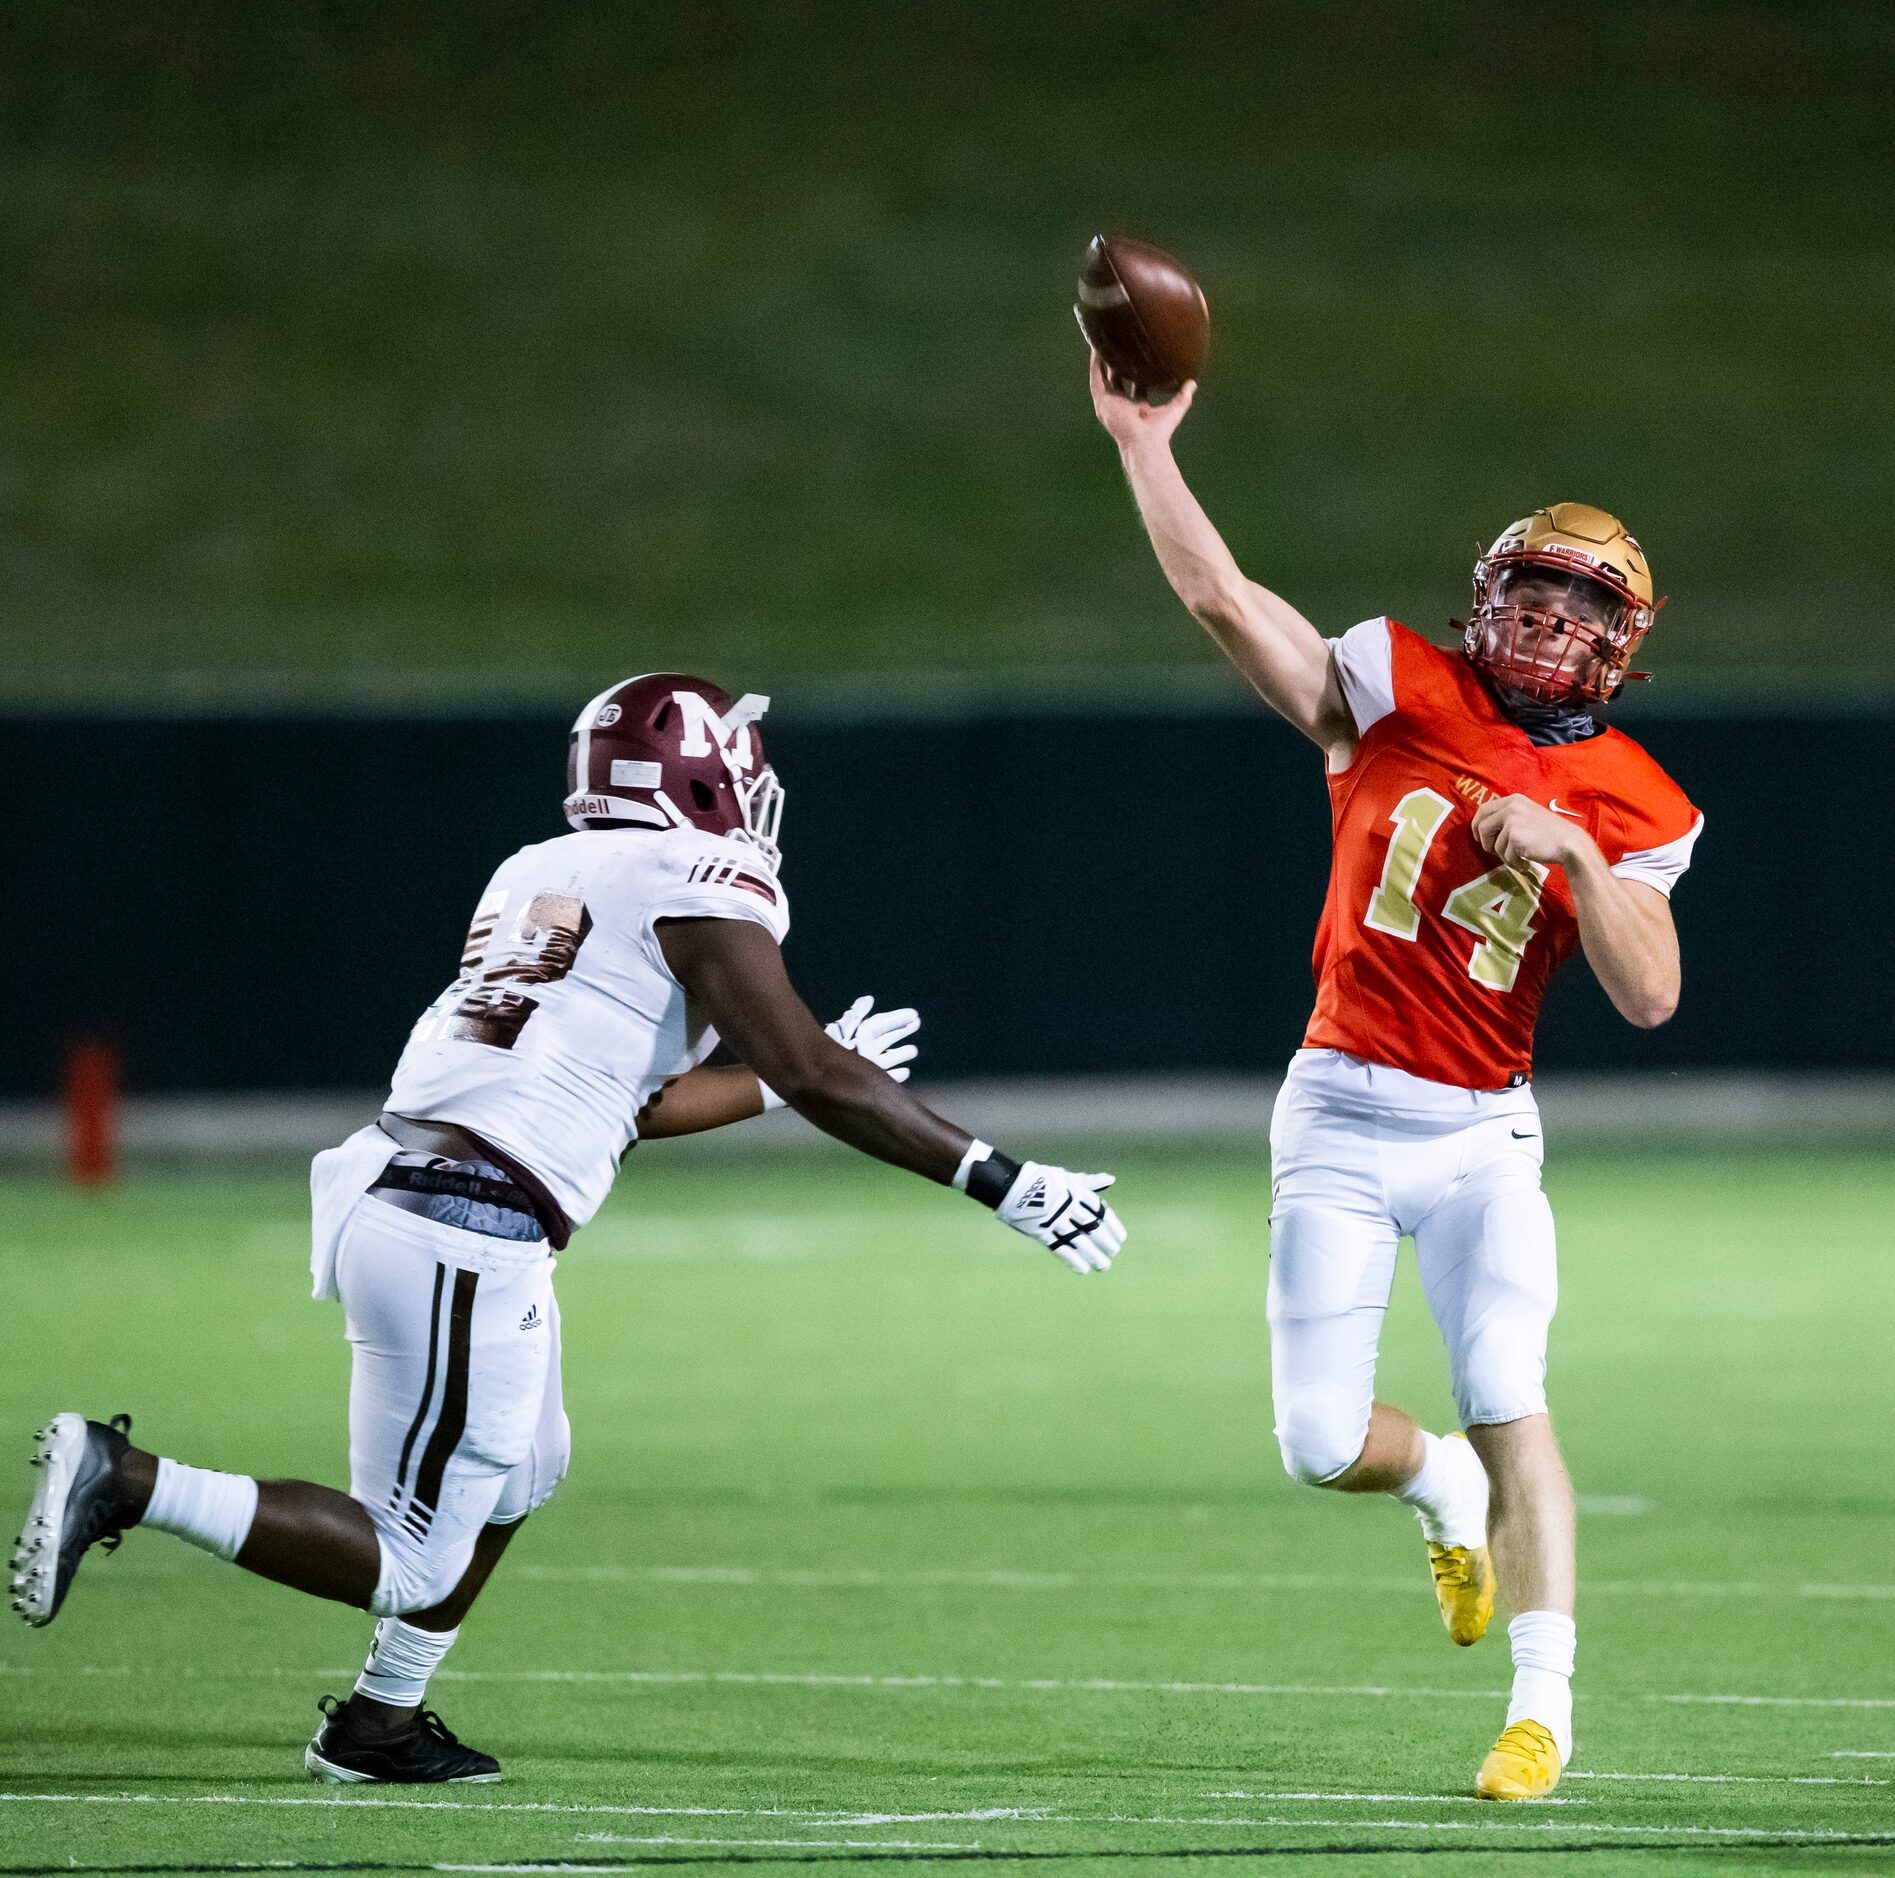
<point x="1485" y="825"/>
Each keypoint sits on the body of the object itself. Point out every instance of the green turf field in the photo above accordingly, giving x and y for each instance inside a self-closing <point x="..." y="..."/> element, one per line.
<point x="889" y="1542"/>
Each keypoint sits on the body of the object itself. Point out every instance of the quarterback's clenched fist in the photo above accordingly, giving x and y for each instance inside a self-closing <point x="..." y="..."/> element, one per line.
<point x="1064" y="1212"/>
<point x="1520" y="833"/>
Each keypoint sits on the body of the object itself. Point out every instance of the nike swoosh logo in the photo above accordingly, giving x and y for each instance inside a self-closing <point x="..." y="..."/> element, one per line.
<point x="1518" y="1136"/>
<point x="1572" y="815"/>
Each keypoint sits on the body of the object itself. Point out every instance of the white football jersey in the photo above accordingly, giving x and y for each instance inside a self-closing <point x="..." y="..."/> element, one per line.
<point x="565" y="1018"/>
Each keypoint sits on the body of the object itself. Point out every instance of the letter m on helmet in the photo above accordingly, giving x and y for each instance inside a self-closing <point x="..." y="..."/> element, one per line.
<point x="705" y="728"/>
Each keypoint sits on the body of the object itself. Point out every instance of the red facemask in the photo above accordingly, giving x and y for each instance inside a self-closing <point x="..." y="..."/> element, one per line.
<point x="1551" y="632"/>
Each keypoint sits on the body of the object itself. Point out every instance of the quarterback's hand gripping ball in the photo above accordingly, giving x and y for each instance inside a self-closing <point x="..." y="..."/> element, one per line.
<point x="1065" y="1213"/>
<point x="878" y="1037"/>
<point x="1128" y="421"/>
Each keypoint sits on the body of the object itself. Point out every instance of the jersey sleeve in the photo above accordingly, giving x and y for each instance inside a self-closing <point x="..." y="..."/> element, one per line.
<point x="1653" y="829"/>
<point x="1365" y="666"/>
<point x="717" y="885"/>
<point x="1663" y="866"/>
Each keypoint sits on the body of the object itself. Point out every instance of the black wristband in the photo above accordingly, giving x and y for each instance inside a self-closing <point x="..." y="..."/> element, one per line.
<point x="988" y="1180"/>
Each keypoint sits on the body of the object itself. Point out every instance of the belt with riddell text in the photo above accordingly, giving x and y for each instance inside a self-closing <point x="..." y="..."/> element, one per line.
<point x="456" y="1182"/>
<point x="491" y="1181"/>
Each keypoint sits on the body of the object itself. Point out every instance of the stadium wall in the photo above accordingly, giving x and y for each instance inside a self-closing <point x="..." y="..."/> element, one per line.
<point x="248" y="903"/>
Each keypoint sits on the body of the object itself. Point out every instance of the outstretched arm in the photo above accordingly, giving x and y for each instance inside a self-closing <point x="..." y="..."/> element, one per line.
<point x="706" y="1097"/>
<point x="1625" y="927"/>
<point x="734" y="972"/>
<point x="1283" y="657"/>
<point x="700" y="1099"/>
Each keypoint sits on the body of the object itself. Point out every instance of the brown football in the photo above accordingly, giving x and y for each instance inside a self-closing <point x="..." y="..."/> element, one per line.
<point x="1143" y="314"/>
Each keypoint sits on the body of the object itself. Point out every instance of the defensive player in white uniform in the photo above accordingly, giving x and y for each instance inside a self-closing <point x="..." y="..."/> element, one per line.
<point x="600" y="971"/>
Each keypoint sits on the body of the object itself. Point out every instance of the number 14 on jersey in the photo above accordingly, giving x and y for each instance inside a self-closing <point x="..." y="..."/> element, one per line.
<point x="1497" y="907"/>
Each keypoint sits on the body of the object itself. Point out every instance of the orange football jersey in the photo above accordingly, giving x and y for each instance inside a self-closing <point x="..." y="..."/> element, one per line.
<point x="1431" y="957"/>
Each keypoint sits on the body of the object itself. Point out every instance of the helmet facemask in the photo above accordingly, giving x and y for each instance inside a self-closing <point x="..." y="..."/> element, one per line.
<point x="759" y="797"/>
<point x="1553" y="633"/>
<point x="762" y="803"/>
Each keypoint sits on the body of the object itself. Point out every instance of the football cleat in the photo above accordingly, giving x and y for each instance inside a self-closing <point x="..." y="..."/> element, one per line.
<point x="424" y="1754"/>
<point x="78" y="1503"/>
<point x="1464" y="1589"/>
<point x="1463" y="1574"/>
<point x="1523" y="1764"/>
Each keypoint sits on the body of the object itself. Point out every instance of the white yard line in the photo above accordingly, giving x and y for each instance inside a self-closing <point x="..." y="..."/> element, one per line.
<point x="853" y="1578"/>
<point x="1403" y="1799"/>
<point x="1747" y="1780"/>
<point x="833" y="1845"/>
<point x="1504" y="1823"/>
<point x="1863" y="1754"/>
<point x="1782" y="1701"/>
<point x="1038" y="1685"/>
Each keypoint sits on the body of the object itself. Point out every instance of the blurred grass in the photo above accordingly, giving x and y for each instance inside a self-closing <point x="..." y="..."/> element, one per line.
<point x="505" y="345"/>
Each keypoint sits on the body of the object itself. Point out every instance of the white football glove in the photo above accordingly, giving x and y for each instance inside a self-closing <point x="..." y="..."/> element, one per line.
<point x="878" y="1037"/>
<point x="1064" y="1212"/>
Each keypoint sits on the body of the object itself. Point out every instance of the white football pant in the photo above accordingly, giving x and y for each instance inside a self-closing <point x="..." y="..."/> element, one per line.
<point x="1361" y="1156"/>
<point x="456" y="1419"/>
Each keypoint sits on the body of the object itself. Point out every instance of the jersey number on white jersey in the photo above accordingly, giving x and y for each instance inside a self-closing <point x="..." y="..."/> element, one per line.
<point x="539" y="948"/>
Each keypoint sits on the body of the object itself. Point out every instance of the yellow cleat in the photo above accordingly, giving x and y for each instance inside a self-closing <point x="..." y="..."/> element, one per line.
<point x="1522" y="1765"/>
<point x="1464" y="1588"/>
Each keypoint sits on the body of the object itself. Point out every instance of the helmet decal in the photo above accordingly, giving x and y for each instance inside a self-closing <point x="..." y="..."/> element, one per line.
<point x="670" y="751"/>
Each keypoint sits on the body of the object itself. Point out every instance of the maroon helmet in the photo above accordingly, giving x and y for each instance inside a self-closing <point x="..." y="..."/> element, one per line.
<point x="670" y="751"/>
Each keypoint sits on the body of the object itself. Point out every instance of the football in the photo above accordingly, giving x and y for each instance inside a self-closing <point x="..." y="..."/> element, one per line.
<point x="1143" y="314"/>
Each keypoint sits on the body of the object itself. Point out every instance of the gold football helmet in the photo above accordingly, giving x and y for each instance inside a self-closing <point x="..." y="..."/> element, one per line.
<point x="1561" y="601"/>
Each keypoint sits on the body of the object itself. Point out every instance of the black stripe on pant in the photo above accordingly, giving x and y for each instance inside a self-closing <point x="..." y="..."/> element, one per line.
<point x="427" y="1387"/>
<point x="451" y="1423"/>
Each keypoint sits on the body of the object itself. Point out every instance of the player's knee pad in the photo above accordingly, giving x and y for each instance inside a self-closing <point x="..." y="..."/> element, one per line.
<point x="1499" y="1361"/>
<point x="1496" y="1309"/>
<point x="415" y="1574"/>
<point x="1320" y="1432"/>
<point x="1501" y="1374"/>
<point x="529" y="1485"/>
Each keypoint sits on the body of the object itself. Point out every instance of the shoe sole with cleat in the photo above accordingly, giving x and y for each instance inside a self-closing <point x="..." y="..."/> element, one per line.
<point x="35" y="1569"/>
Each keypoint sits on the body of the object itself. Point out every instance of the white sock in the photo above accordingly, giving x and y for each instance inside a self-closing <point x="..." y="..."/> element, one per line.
<point x="401" y="1661"/>
<point x="203" y="1507"/>
<point x="1449" y="1494"/>
<point x="1543" y="1645"/>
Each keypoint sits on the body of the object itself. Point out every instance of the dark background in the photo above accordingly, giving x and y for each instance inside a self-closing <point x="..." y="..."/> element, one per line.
<point x="268" y="901"/>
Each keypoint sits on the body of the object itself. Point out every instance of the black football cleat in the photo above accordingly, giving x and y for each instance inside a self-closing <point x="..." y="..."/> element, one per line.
<point x="78" y="1503"/>
<point x="425" y="1754"/>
